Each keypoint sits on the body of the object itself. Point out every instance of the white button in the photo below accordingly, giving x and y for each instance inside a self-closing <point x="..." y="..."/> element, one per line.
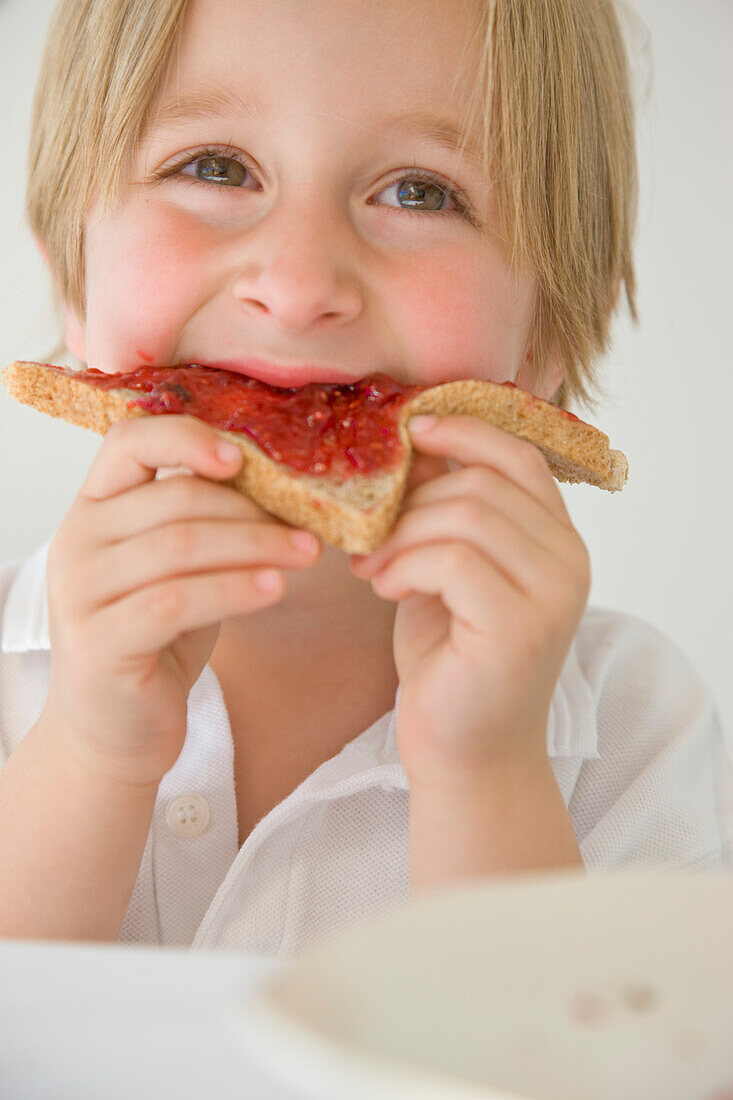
<point x="188" y="815"/>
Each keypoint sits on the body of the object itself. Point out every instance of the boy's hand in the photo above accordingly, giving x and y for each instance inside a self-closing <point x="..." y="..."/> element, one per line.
<point x="140" y="573"/>
<point x="492" y="580"/>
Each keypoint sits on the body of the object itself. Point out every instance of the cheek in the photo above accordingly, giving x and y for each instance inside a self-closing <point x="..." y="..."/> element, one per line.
<point x="143" y="283"/>
<point x="465" y="318"/>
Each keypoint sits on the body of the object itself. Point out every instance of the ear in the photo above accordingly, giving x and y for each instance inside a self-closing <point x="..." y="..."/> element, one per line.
<point x="74" y="334"/>
<point x="526" y="377"/>
<point x="44" y="252"/>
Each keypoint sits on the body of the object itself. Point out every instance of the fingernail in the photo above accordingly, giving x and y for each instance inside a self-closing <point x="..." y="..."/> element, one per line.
<point x="227" y="452"/>
<point x="268" y="580"/>
<point x="303" y="540"/>
<point x="422" y="423"/>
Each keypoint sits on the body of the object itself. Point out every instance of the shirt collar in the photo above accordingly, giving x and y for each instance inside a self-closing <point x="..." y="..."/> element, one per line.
<point x="571" y="729"/>
<point x="25" y="620"/>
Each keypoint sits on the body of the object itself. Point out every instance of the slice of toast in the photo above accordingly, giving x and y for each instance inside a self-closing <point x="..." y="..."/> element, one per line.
<point x="355" y="514"/>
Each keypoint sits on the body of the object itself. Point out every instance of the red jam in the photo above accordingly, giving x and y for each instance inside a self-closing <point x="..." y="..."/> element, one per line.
<point x="320" y="428"/>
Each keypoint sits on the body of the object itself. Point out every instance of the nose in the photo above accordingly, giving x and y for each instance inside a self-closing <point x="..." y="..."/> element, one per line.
<point x="298" y="270"/>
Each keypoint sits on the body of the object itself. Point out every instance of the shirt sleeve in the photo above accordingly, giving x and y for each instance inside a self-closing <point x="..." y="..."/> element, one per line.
<point x="24" y="673"/>
<point x="659" y="793"/>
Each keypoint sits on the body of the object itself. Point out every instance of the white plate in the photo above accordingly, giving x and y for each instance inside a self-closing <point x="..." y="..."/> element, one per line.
<point x="549" y="987"/>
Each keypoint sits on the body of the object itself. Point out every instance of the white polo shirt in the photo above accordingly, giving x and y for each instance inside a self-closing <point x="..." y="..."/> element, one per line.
<point x="632" y="736"/>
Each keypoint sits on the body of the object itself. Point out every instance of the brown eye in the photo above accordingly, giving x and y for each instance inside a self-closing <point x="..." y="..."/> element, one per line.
<point x="224" y="170"/>
<point x="421" y="195"/>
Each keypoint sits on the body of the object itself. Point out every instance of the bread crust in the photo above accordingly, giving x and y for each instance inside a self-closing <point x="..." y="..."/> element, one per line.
<point x="355" y="515"/>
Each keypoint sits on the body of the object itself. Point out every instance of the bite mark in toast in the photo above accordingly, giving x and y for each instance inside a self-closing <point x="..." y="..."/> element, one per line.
<point x="358" y="511"/>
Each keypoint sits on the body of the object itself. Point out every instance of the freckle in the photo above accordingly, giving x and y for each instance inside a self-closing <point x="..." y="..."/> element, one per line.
<point x="640" y="998"/>
<point x="586" y="1008"/>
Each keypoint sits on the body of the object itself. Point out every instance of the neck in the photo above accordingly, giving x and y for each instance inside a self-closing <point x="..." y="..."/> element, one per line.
<point x="327" y="620"/>
<point x="303" y="678"/>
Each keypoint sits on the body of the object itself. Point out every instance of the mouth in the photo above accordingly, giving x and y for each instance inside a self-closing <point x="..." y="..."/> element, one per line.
<point x="284" y="376"/>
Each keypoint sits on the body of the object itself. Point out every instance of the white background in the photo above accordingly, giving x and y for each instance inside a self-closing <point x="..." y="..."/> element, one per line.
<point x="661" y="549"/>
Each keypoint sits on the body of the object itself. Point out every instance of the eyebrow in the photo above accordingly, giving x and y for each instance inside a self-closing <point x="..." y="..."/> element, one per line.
<point x="208" y="103"/>
<point x="440" y="131"/>
<point x="213" y="103"/>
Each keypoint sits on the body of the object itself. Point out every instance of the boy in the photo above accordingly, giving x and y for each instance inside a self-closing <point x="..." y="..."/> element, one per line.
<point x="311" y="192"/>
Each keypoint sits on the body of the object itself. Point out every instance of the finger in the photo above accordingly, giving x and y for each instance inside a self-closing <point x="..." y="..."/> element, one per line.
<point x="425" y="468"/>
<point x="474" y="592"/>
<point x="472" y="441"/>
<point x="190" y="548"/>
<point x="133" y="450"/>
<point x="484" y="483"/>
<point x="152" y="618"/>
<point x="172" y="499"/>
<point x="523" y="561"/>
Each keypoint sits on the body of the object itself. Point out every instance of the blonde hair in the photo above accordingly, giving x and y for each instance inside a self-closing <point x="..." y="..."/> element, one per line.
<point x="552" y="107"/>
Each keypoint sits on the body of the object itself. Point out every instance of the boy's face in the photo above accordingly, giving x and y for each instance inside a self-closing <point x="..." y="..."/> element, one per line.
<point x="320" y="233"/>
